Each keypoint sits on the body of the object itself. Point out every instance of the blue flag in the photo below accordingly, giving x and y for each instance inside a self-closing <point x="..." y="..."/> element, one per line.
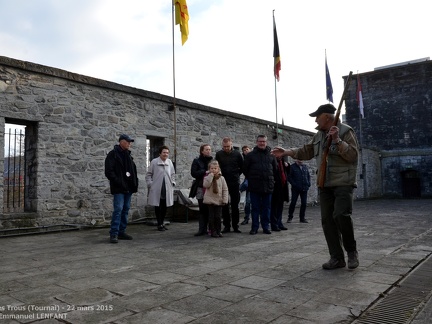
<point x="329" y="87"/>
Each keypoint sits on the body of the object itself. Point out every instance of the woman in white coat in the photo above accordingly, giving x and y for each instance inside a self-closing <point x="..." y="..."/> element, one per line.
<point x="160" y="180"/>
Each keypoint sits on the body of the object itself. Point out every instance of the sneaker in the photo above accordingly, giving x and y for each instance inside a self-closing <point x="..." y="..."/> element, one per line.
<point x="289" y="220"/>
<point x="353" y="261"/>
<point x="161" y="228"/>
<point x="113" y="239"/>
<point x="124" y="236"/>
<point x="283" y="228"/>
<point x="236" y="230"/>
<point x="200" y="233"/>
<point x="214" y="234"/>
<point x="334" y="264"/>
<point x="246" y="221"/>
<point x="253" y="232"/>
<point x="220" y="234"/>
<point x="303" y="221"/>
<point x="275" y="229"/>
<point x="166" y="229"/>
<point x="266" y="231"/>
<point x="226" y="230"/>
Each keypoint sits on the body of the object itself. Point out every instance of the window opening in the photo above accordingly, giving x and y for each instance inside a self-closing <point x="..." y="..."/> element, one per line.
<point x="14" y="168"/>
<point x="152" y="148"/>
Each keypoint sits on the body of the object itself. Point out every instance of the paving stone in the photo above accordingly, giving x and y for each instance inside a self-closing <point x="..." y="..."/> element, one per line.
<point x="174" y="277"/>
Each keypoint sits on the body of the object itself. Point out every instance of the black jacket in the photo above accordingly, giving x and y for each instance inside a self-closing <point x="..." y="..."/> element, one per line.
<point x="117" y="164"/>
<point x="260" y="169"/>
<point x="231" y="165"/>
<point x="199" y="168"/>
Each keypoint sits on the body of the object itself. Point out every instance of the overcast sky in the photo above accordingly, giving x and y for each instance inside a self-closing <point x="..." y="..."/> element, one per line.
<point x="227" y="62"/>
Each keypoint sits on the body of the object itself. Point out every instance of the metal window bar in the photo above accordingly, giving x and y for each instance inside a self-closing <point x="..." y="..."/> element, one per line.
<point x="14" y="173"/>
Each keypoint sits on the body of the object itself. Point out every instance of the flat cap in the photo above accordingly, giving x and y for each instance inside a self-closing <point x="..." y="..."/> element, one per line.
<point x="327" y="108"/>
<point x="126" y="138"/>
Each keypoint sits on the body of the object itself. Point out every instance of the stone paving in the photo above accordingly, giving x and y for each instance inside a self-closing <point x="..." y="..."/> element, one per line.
<point x="174" y="277"/>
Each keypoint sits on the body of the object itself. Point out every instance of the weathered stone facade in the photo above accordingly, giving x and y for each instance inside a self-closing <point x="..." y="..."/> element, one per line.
<point x="397" y="127"/>
<point x="72" y="121"/>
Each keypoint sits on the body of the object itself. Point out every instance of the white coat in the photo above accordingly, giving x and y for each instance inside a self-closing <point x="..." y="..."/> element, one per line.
<point x="157" y="171"/>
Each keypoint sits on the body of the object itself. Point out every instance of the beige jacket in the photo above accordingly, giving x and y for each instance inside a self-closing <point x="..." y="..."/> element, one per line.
<point x="211" y="198"/>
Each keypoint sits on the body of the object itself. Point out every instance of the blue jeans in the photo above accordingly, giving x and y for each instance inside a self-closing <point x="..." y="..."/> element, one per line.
<point x="247" y="206"/>
<point x="261" y="205"/>
<point x="119" y="219"/>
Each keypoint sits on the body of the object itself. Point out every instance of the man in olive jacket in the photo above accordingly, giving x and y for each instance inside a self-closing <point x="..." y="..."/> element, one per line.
<point x="121" y="172"/>
<point x="260" y="168"/>
<point x="336" y="195"/>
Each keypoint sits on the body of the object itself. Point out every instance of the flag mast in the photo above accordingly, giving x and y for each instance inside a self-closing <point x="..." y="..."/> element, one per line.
<point x="180" y="11"/>
<point x="360" y="106"/>
<point x="276" y="68"/>
<point x="174" y="88"/>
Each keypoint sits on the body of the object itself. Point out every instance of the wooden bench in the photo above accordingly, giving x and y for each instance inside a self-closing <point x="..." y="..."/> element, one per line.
<point x="181" y="198"/>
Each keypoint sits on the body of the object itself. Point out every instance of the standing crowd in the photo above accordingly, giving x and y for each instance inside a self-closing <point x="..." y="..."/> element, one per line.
<point x="266" y="178"/>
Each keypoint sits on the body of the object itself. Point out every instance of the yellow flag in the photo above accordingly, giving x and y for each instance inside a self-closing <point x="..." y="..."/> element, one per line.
<point x="182" y="18"/>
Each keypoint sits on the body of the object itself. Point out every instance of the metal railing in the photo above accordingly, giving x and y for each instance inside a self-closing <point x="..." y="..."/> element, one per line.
<point x="14" y="171"/>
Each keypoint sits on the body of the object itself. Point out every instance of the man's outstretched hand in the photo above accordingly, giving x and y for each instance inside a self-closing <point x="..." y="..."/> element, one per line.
<point x="278" y="151"/>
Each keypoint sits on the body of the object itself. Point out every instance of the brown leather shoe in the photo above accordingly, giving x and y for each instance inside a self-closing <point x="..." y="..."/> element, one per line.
<point x="334" y="264"/>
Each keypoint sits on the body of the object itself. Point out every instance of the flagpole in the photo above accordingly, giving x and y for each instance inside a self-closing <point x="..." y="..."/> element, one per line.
<point x="276" y="107"/>
<point x="174" y="88"/>
<point x="363" y="168"/>
<point x="275" y="89"/>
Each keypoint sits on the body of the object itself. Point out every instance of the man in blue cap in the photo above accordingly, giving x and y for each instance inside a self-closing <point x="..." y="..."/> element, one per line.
<point x="121" y="172"/>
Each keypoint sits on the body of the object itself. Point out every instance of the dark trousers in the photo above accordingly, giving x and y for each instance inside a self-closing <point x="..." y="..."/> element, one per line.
<point x="215" y="218"/>
<point x="295" y="193"/>
<point x="276" y="213"/>
<point x="336" y="209"/>
<point x="160" y="212"/>
<point x="234" y="193"/>
<point x="203" y="217"/>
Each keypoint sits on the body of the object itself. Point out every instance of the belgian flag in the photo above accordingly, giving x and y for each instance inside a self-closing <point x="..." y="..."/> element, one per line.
<point x="276" y="55"/>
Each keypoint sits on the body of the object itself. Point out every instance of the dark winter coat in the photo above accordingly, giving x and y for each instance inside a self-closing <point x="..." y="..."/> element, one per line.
<point x="260" y="169"/>
<point x="231" y="165"/>
<point x="118" y="165"/>
<point x="299" y="177"/>
<point x="199" y="168"/>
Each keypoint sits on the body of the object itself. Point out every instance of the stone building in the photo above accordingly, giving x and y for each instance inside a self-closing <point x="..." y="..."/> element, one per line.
<point x="71" y="121"/>
<point x="395" y="133"/>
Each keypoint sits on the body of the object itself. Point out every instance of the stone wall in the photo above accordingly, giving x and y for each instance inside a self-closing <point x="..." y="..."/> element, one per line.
<point x="369" y="182"/>
<point x="397" y="163"/>
<point x="72" y="121"/>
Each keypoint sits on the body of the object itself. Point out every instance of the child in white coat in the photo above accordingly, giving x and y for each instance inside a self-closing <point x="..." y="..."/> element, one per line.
<point x="215" y="196"/>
